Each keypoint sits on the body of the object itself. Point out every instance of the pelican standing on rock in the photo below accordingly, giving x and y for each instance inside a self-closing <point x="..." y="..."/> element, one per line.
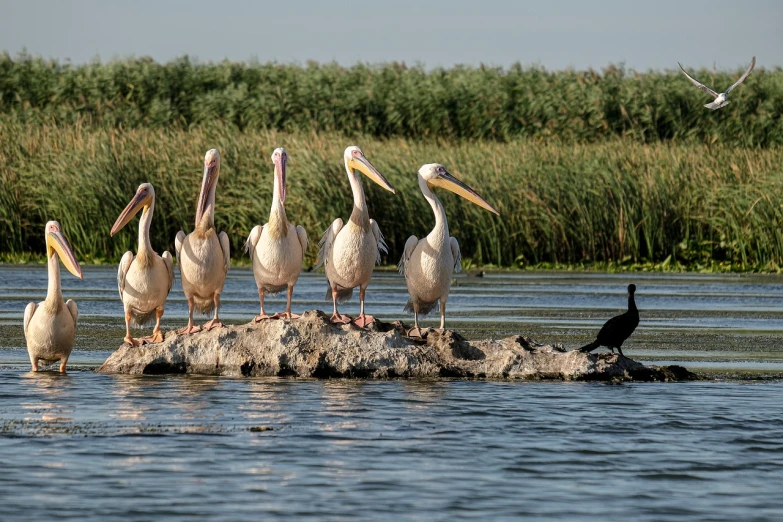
<point x="50" y="326"/>
<point x="203" y="255"/>
<point x="144" y="281"/>
<point x="278" y="247"/>
<point x="349" y="252"/>
<point x="429" y="262"/>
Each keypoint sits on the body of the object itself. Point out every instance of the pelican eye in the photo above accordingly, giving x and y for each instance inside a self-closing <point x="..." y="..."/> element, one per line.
<point x="441" y="170"/>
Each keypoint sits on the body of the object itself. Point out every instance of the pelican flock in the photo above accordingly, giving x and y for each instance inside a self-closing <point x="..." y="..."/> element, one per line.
<point x="144" y="281"/>
<point x="203" y="255"/>
<point x="50" y="326"/>
<point x="350" y="251"/>
<point x="428" y="263"/>
<point x="278" y="247"/>
<point x="720" y="99"/>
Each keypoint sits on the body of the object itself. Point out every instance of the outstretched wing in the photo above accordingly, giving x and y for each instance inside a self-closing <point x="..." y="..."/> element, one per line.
<point x="28" y="314"/>
<point x="70" y="304"/>
<point x="226" y="246"/>
<point x="252" y="239"/>
<point x="169" y="262"/>
<point x="301" y="233"/>
<point x="327" y="241"/>
<point x="410" y="246"/>
<point x="744" y="75"/>
<point x="178" y="242"/>
<point x="376" y="231"/>
<point x="122" y="271"/>
<point x="697" y="83"/>
<point x="455" y="253"/>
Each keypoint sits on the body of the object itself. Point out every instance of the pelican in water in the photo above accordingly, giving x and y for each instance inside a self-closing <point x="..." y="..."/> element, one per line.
<point x="278" y="247"/>
<point x="144" y="281"/>
<point x="203" y="255"/>
<point x="721" y="99"/>
<point x="429" y="262"/>
<point x="50" y="326"/>
<point x="349" y="253"/>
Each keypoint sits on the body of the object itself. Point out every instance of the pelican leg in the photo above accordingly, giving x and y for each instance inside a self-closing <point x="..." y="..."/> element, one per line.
<point x="620" y="350"/>
<point x="215" y="322"/>
<point x="416" y="331"/>
<point x="363" y="319"/>
<point x="442" y="317"/>
<point x="287" y="314"/>
<point x="337" y="318"/>
<point x="128" y="338"/>
<point x="190" y="328"/>
<point x="63" y="362"/>
<point x="260" y="317"/>
<point x="34" y="363"/>
<point x="157" y="335"/>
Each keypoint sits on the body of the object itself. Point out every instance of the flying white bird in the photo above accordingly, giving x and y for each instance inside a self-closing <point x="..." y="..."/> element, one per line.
<point x="720" y="98"/>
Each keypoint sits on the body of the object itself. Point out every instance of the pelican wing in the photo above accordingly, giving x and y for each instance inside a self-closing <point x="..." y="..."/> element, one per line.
<point x="252" y="239"/>
<point x="70" y="304"/>
<point x="327" y="241"/>
<point x="744" y="75"/>
<point x="376" y="231"/>
<point x="226" y="246"/>
<point x="178" y="242"/>
<point x="455" y="253"/>
<point x="29" y="311"/>
<point x="122" y="271"/>
<point x="301" y="233"/>
<point x="169" y="262"/>
<point x="410" y="246"/>
<point x="697" y="83"/>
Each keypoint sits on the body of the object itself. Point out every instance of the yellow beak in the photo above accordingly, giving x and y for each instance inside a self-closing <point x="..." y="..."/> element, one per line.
<point x="138" y="202"/>
<point x="451" y="183"/>
<point x="363" y="165"/>
<point x="57" y="242"/>
<point x="210" y="175"/>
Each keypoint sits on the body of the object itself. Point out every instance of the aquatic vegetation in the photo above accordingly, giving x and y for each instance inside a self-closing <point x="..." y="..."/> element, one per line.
<point x="619" y="202"/>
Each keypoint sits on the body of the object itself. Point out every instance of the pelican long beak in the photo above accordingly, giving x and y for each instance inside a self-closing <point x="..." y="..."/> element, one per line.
<point x="280" y="164"/>
<point x="57" y="242"/>
<point x="138" y="202"/>
<point x="362" y="164"/>
<point x="210" y="175"/>
<point x="451" y="183"/>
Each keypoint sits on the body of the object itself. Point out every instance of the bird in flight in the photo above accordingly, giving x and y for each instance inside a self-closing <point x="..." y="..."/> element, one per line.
<point x="720" y="98"/>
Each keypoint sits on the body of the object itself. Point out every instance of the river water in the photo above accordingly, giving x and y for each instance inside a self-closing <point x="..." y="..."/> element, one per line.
<point x="87" y="446"/>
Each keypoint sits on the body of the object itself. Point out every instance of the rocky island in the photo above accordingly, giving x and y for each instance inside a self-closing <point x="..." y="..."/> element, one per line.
<point x="312" y="347"/>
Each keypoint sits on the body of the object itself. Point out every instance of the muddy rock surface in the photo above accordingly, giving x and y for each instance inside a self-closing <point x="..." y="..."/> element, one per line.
<point x="312" y="347"/>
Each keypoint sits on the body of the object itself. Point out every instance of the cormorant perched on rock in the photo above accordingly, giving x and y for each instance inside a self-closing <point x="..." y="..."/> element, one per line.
<point x="617" y="329"/>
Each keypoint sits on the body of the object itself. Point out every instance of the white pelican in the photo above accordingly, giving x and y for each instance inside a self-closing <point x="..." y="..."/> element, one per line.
<point x="428" y="263"/>
<point x="350" y="252"/>
<point x="721" y="99"/>
<point x="144" y="282"/>
<point x="50" y="326"/>
<point x="203" y="255"/>
<point x="278" y="247"/>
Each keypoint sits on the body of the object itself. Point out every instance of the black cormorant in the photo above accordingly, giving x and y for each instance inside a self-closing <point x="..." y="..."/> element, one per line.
<point x="617" y="329"/>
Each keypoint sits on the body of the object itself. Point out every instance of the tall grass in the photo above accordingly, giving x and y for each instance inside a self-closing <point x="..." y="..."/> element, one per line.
<point x="559" y="202"/>
<point x="393" y="100"/>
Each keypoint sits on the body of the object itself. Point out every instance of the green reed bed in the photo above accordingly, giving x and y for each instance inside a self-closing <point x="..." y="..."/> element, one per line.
<point x="612" y="203"/>
<point x="393" y="100"/>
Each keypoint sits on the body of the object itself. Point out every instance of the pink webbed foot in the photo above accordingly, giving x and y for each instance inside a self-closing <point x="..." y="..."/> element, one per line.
<point x="340" y="319"/>
<point x="214" y="323"/>
<point x="417" y="332"/>
<point x="190" y="329"/>
<point x="285" y="315"/>
<point x="262" y="317"/>
<point x="363" y="320"/>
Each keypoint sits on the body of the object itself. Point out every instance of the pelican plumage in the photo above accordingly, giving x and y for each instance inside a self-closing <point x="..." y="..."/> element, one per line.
<point x="428" y="263"/>
<point x="349" y="252"/>
<point x="203" y="255"/>
<point x="50" y="326"/>
<point x="144" y="281"/>
<point x="278" y="247"/>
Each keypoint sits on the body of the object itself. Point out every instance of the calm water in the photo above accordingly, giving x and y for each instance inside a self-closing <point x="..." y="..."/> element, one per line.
<point x="97" y="447"/>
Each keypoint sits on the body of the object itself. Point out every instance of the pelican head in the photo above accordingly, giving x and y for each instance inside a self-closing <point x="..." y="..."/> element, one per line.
<point x="143" y="198"/>
<point x="355" y="160"/>
<point x="280" y="159"/>
<point x="211" y="174"/>
<point x="56" y="243"/>
<point x="436" y="175"/>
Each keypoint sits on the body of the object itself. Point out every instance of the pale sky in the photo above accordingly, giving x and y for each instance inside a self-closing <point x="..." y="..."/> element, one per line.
<point x="553" y="33"/>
